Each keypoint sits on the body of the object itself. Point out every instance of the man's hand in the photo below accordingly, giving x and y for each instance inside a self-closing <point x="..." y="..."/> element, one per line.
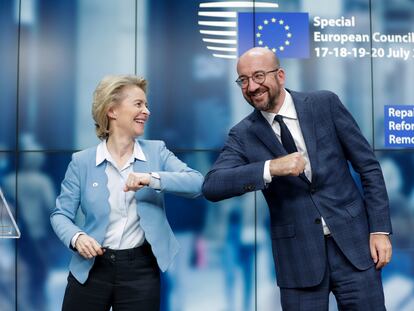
<point x="88" y="247"/>
<point x="381" y="249"/>
<point x="290" y="165"/>
<point x="137" y="181"/>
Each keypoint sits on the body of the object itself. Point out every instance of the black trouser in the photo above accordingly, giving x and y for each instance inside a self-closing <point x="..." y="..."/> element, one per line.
<point x="122" y="279"/>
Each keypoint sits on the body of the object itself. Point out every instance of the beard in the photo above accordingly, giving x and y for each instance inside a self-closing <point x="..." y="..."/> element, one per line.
<point x="271" y="102"/>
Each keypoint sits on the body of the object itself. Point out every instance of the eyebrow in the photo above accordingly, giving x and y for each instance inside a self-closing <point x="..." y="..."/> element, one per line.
<point x="140" y="101"/>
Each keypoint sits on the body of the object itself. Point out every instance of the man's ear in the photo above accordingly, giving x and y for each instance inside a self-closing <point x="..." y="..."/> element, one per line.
<point x="281" y="75"/>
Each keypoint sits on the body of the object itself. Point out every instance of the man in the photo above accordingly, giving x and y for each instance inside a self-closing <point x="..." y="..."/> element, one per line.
<point x="295" y="147"/>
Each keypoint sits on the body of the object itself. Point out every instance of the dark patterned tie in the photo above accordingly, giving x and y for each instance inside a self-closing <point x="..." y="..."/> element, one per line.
<point x="286" y="136"/>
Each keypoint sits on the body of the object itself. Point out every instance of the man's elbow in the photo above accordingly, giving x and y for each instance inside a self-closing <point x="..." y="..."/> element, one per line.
<point x="209" y="191"/>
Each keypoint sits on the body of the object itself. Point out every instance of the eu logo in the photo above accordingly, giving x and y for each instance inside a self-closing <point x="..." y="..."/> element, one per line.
<point x="286" y="34"/>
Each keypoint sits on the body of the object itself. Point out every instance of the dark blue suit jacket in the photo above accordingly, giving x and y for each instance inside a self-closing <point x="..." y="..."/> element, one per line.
<point x="332" y="139"/>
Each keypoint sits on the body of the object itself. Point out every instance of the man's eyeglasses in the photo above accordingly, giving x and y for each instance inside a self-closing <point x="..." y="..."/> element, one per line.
<point x="258" y="77"/>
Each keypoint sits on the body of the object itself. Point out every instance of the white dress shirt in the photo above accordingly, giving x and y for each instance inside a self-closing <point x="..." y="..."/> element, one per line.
<point x="288" y="112"/>
<point x="124" y="230"/>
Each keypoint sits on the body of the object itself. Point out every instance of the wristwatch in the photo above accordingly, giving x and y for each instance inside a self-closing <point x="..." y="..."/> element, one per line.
<point x="155" y="181"/>
<point x="155" y="175"/>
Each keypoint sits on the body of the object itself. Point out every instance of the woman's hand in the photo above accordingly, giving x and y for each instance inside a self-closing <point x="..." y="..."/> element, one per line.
<point x="137" y="181"/>
<point x="88" y="247"/>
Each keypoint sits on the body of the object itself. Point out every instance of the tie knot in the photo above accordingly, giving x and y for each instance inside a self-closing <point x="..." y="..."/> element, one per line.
<point x="279" y="118"/>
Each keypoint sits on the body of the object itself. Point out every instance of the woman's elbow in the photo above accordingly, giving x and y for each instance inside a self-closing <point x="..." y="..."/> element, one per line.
<point x="197" y="185"/>
<point x="191" y="186"/>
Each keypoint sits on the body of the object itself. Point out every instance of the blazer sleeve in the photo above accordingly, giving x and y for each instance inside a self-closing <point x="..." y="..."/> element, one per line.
<point x="232" y="173"/>
<point x="176" y="177"/>
<point x="64" y="214"/>
<point x="360" y="154"/>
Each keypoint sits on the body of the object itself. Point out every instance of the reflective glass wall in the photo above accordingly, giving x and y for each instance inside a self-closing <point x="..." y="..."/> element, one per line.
<point x="54" y="52"/>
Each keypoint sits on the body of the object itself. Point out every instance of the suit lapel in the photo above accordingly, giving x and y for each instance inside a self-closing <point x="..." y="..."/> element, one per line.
<point x="262" y="129"/>
<point x="141" y="166"/>
<point x="304" y="111"/>
<point x="97" y="183"/>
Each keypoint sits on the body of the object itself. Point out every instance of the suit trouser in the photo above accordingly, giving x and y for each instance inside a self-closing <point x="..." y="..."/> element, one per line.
<point x="353" y="289"/>
<point x="121" y="279"/>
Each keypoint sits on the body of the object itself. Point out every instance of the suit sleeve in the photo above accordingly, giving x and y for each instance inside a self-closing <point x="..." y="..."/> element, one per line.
<point x="67" y="204"/>
<point x="232" y="174"/>
<point x="176" y="177"/>
<point x="360" y="154"/>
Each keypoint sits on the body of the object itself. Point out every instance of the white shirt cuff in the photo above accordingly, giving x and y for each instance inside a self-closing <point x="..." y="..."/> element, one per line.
<point x="266" y="173"/>
<point x="75" y="237"/>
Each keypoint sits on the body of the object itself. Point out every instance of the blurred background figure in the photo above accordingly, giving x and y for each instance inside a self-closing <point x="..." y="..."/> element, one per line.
<point x="7" y="246"/>
<point x="230" y="230"/>
<point x="7" y="281"/>
<point x="37" y="245"/>
<point x="238" y="256"/>
<point x="187" y="221"/>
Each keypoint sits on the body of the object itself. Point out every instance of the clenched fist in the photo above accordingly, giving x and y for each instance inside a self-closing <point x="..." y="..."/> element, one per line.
<point x="290" y="165"/>
<point x="137" y="181"/>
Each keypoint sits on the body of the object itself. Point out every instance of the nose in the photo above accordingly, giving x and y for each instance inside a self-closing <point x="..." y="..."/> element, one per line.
<point x="253" y="86"/>
<point x="146" y="111"/>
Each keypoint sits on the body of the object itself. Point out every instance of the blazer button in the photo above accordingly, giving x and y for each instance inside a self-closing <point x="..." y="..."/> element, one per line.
<point x="249" y="187"/>
<point x="312" y="190"/>
<point x="318" y="221"/>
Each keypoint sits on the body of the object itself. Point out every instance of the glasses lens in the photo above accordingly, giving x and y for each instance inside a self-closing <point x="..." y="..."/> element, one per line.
<point x="259" y="77"/>
<point x="242" y="81"/>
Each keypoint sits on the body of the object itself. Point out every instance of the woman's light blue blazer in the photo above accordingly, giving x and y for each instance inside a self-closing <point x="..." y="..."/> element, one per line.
<point x="85" y="187"/>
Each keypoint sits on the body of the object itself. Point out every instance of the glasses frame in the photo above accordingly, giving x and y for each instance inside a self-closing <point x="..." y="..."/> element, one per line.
<point x="240" y="82"/>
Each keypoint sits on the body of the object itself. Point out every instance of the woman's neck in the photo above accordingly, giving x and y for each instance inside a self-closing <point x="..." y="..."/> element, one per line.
<point x="120" y="148"/>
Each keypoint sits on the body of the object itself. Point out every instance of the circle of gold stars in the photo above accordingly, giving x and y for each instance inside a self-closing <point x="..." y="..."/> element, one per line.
<point x="282" y="24"/>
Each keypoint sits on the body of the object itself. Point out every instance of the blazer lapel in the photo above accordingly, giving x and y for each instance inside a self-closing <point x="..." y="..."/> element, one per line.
<point x="141" y="166"/>
<point x="304" y="111"/>
<point x="97" y="183"/>
<point x="264" y="132"/>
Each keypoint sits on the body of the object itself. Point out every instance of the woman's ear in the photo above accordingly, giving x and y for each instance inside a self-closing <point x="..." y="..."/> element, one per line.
<point x="111" y="114"/>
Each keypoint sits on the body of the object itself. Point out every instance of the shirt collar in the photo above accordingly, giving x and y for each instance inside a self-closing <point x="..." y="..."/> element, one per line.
<point x="287" y="110"/>
<point x="103" y="154"/>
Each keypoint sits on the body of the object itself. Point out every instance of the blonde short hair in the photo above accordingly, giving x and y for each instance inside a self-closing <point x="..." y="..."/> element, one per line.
<point x="107" y="94"/>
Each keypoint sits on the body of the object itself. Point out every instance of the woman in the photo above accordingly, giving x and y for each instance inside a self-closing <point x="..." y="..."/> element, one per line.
<point x="119" y="185"/>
